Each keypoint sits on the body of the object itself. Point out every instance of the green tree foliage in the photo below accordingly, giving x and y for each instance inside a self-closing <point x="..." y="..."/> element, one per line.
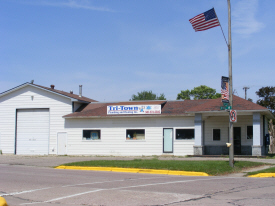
<point x="267" y="98"/>
<point x="184" y="94"/>
<point x="200" y="92"/>
<point x="147" y="95"/>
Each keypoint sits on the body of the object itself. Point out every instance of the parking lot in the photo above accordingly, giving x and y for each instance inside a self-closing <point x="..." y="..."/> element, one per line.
<point x="33" y="181"/>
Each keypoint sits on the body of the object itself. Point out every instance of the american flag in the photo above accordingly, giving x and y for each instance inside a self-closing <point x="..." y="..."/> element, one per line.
<point x="224" y="89"/>
<point x="204" y="21"/>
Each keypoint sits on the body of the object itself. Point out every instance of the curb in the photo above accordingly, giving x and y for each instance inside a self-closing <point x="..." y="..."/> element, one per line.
<point x="133" y="170"/>
<point x="263" y="175"/>
<point x="3" y="201"/>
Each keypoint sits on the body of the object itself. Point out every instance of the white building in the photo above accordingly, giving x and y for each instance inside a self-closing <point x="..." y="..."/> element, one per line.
<point x="41" y="120"/>
<point x="31" y="118"/>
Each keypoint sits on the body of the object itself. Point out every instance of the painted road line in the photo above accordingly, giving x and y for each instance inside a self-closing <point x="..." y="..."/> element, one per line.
<point x="122" y="180"/>
<point x="135" y="170"/>
<point x="27" y="191"/>
<point x="125" y="187"/>
<point x="263" y="175"/>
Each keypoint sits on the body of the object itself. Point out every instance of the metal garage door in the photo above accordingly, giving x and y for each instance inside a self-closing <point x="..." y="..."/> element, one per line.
<point x="32" y="131"/>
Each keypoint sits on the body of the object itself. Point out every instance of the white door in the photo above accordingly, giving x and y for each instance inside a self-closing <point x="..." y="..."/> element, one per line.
<point x="62" y="143"/>
<point x="32" y="134"/>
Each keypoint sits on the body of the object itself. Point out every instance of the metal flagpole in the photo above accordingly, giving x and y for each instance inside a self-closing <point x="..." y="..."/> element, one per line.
<point x="231" y="140"/>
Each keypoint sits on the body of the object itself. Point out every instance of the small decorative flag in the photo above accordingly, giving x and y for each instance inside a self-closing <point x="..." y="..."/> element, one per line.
<point x="225" y="89"/>
<point x="204" y="21"/>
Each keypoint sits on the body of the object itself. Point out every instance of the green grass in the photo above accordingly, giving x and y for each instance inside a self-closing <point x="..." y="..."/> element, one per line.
<point x="210" y="167"/>
<point x="270" y="156"/>
<point x="269" y="170"/>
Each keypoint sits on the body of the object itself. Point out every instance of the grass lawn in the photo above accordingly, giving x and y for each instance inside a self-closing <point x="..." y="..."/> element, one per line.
<point x="269" y="170"/>
<point x="209" y="167"/>
<point x="271" y="156"/>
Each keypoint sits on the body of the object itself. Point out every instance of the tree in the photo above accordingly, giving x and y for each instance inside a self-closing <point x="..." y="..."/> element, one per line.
<point x="200" y="92"/>
<point x="147" y="95"/>
<point x="267" y="98"/>
<point x="184" y="94"/>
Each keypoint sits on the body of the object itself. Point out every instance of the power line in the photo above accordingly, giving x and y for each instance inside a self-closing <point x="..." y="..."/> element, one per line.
<point x="235" y="92"/>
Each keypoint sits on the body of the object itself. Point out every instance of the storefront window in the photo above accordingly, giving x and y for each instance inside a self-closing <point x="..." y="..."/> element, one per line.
<point x="182" y="134"/>
<point x="91" y="135"/>
<point x="135" y="134"/>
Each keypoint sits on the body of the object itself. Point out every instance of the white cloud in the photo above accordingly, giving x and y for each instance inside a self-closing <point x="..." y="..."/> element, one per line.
<point x="244" y="21"/>
<point x="74" y="4"/>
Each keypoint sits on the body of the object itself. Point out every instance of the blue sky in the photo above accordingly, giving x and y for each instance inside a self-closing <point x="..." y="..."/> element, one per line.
<point x="118" y="48"/>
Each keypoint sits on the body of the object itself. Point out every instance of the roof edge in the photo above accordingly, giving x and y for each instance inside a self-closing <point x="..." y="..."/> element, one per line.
<point x="14" y="89"/>
<point x="44" y="89"/>
<point x="267" y="111"/>
<point x="124" y="116"/>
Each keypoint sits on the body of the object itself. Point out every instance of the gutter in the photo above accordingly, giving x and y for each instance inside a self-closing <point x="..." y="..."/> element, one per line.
<point x="265" y="111"/>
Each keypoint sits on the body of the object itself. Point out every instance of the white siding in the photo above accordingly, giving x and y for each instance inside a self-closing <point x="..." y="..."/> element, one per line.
<point x="31" y="97"/>
<point x="76" y="105"/>
<point x="222" y="123"/>
<point x="113" y="136"/>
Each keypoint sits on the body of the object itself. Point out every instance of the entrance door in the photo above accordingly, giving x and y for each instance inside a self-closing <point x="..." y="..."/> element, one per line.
<point x="237" y="140"/>
<point x="168" y="140"/>
<point x="62" y="143"/>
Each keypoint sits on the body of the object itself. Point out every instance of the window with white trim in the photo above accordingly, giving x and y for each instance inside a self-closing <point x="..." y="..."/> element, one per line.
<point x="91" y="135"/>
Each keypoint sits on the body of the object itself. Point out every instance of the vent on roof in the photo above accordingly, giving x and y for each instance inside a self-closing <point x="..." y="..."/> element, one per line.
<point x="71" y="92"/>
<point x="80" y="90"/>
<point x="52" y="86"/>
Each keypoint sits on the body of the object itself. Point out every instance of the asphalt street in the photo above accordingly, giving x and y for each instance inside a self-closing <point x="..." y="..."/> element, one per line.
<point x="32" y="181"/>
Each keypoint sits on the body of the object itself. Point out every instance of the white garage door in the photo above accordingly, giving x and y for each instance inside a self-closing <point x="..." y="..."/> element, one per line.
<point x="32" y="132"/>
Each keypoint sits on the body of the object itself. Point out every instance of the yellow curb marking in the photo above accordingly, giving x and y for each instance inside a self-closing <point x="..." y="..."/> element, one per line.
<point x="132" y="170"/>
<point x="3" y="202"/>
<point x="263" y="175"/>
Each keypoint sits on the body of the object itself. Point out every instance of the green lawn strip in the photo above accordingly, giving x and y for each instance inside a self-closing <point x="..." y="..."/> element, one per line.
<point x="269" y="170"/>
<point x="210" y="167"/>
<point x="270" y="156"/>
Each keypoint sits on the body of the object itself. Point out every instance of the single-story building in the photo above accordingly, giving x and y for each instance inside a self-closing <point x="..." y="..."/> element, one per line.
<point x="38" y="120"/>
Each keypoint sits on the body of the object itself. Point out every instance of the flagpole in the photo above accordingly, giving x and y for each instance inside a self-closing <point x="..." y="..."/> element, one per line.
<point x="231" y="140"/>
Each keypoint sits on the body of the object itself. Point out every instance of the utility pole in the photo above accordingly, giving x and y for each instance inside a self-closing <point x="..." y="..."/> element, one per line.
<point x="245" y="89"/>
<point x="231" y="148"/>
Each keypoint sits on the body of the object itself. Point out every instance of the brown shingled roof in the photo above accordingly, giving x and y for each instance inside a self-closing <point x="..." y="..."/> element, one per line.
<point x="239" y="103"/>
<point x="169" y="108"/>
<point x="100" y="109"/>
<point x="75" y="96"/>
